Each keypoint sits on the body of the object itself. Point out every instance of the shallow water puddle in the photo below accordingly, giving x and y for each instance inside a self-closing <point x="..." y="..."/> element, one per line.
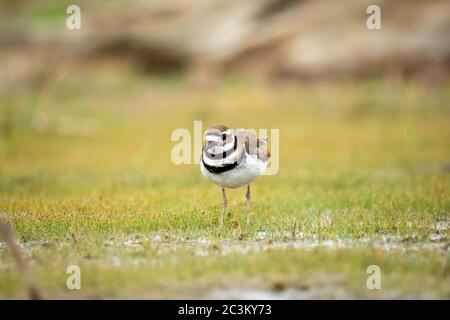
<point x="287" y="294"/>
<point x="166" y="245"/>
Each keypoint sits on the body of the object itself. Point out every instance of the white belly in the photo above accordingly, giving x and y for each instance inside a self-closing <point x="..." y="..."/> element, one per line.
<point x="243" y="174"/>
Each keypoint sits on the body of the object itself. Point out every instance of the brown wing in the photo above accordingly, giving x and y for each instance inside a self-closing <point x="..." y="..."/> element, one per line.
<point x="253" y="145"/>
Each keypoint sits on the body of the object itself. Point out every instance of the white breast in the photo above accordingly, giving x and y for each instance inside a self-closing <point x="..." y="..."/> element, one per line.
<point x="243" y="174"/>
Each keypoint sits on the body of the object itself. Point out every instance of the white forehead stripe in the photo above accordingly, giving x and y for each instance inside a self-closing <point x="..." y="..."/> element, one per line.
<point x="212" y="137"/>
<point x="221" y="149"/>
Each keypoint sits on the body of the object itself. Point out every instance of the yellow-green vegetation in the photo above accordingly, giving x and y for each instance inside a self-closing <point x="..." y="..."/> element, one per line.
<point x="87" y="169"/>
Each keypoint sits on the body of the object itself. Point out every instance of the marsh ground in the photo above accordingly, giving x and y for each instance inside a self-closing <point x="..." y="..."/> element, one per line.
<point x="86" y="178"/>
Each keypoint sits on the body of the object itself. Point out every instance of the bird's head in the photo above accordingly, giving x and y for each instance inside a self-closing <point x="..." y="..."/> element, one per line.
<point x="219" y="135"/>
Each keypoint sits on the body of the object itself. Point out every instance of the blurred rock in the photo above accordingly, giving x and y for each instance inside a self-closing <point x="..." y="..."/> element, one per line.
<point x="297" y="39"/>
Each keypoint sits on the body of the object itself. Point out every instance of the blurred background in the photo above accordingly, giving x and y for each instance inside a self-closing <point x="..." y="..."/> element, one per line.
<point x="86" y="118"/>
<point x="271" y="39"/>
<point x="76" y="104"/>
<point x="125" y="51"/>
<point x="106" y="98"/>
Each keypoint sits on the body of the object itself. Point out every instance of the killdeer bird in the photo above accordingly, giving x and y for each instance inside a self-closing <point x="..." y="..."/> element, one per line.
<point x="232" y="158"/>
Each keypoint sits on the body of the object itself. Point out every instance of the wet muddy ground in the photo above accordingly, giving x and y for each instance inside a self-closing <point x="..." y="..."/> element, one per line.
<point x="166" y="250"/>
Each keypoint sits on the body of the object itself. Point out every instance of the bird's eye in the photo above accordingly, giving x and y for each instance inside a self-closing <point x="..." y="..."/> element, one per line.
<point x="224" y="136"/>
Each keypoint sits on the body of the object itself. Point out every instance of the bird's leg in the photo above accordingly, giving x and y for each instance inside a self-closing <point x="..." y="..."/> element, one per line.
<point x="247" y="196"/>
<point x="224" y="199"/>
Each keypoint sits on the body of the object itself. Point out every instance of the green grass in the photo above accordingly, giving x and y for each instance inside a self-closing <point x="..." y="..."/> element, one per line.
<point x="358" y="161"/>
